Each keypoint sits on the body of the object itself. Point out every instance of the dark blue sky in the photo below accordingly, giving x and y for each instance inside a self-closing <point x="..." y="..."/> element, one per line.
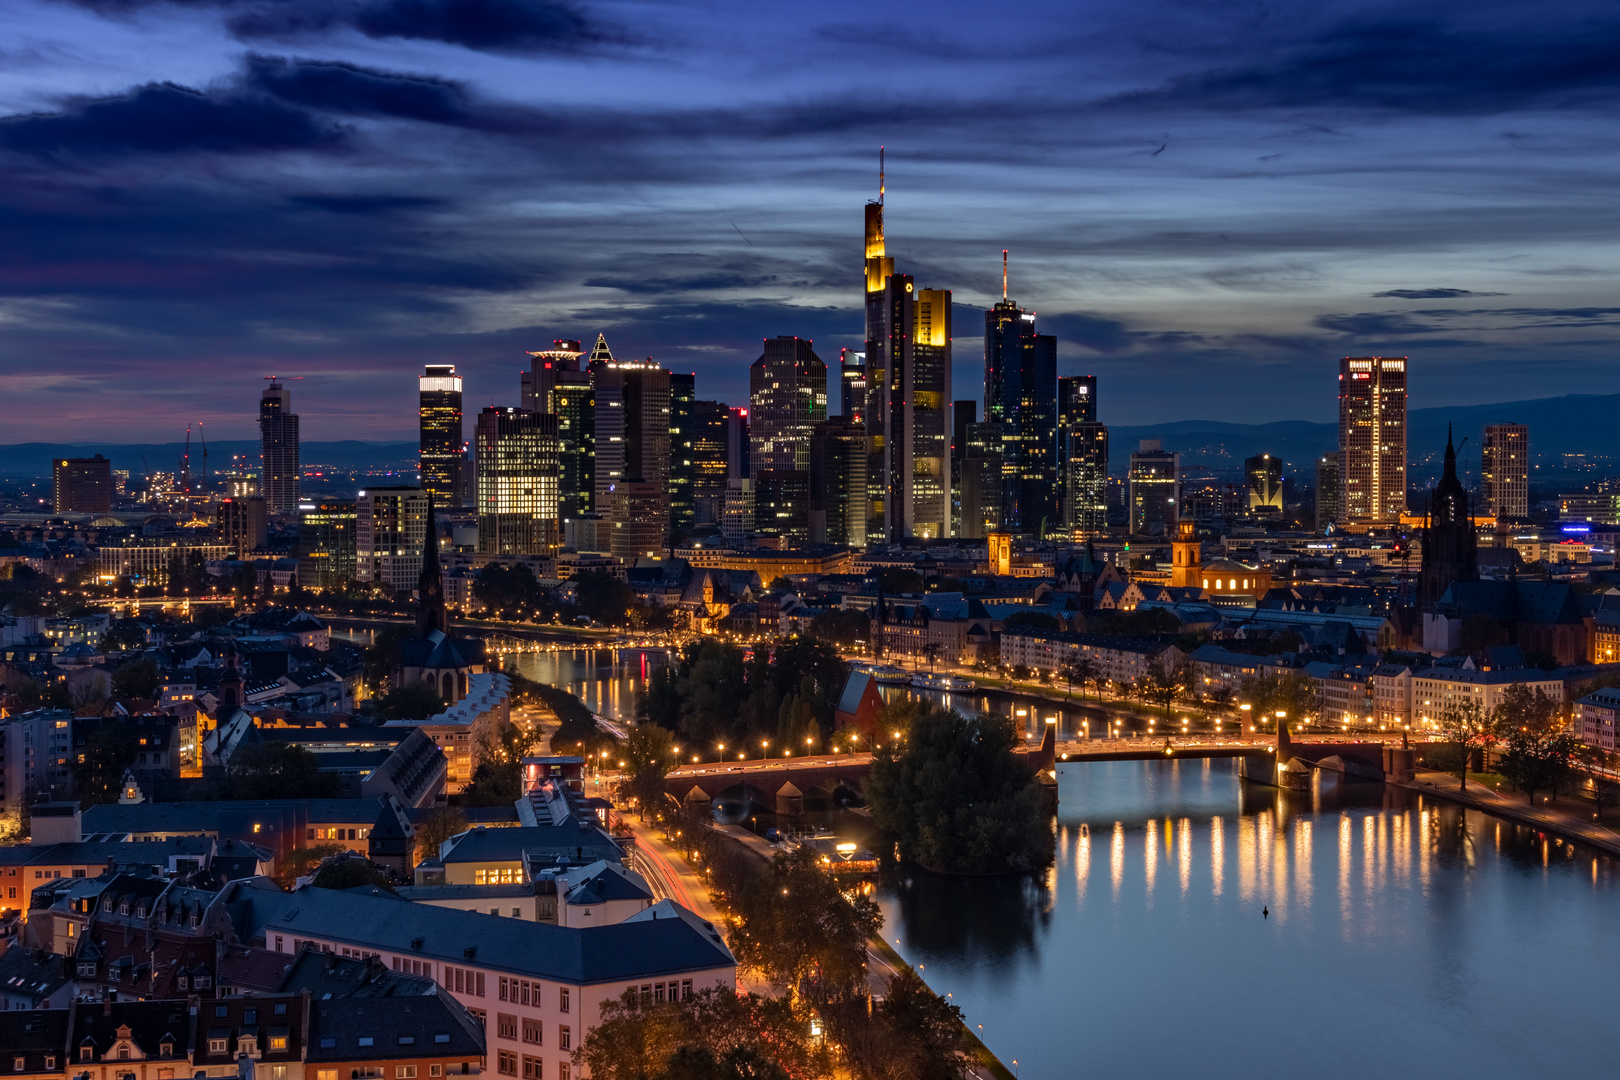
<point x="1207" y="202"/>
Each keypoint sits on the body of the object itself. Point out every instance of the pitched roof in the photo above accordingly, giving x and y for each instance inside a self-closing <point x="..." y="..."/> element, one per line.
<point x="346" y="1029"/>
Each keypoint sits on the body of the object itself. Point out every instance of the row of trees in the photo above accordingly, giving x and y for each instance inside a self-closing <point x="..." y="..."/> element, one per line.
<point x="1534" y="747"/>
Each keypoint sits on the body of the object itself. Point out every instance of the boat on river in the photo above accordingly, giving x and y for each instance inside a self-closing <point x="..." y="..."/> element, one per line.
<point x="888" y="675"/>
<point x="942" y="681"/>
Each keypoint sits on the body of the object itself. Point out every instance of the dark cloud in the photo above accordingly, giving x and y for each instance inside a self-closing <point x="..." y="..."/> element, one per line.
<point x="348" y="88"/>
<point x="368" y="204"/>
<point x="1430" y="294"/>
<point x="1421" y="66"/>
<point x="1094" y="332"/>
<point x="698" y="283"/>
<point x="165" y="118"/>
<point x="1371" y="324"/>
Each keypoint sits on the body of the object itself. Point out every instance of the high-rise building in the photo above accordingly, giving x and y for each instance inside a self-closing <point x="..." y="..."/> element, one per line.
<point x="852" y="385"/>
<point x="737" y="516"/>
<point x="1020" y="394"/>
<point x="838" y="483"/>
<point x="632" y="426"/>
<point x="1504" y="469"/>
<point x="81" y="485"/>
<point x="710" y="423"/>
<point x="443" y="450"/>
<point x="782" y="505"/>
<point x="1077" y="400"/>
<point x="243" y="525"/>
<point x="682" y="509"/>
<point x="517" y="482"/>
<point x="390" y="534"/>
<point x="787" y="391"/>
<point x="1327" y="490"/>
<point x="279" y="469"/>
<point x="979" y="475"/>
<point x="1085" y="479"/>
<point x="879" y="269"/>
<point x="1372" y="440"/>
<point x="639" y="514"/>
<point x="556" y="384"/>
<point x="1155" y="495"/>
<point x="739" y="465"/>
<point x="1265" y="483"/>
<point x="326" y="542"/>
<point x="963" y="413"/>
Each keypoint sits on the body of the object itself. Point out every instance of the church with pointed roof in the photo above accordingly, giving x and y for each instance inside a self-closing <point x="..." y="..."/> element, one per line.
<point x="1450" y="547"/>
<point x="433" y="658"/>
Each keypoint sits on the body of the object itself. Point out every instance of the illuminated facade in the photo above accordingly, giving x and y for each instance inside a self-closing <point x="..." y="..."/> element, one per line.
<point x="1504" y="471"/>
<point x="1264" y="474"/>
<point x="682" y="469"/>
<point x="1085" y="479"/>
<point x="710" y="423"/>
<point x="279" y="470"/>
<point x="1155" y="495"/>
<point x="638" y="511"/>
<point x="787" y="392"/>
<point x="326" y="542"/>
<point x="852" y="385"/>
<point x="782" y="505"/>
<point x="1372" y="440"/>
<point x="1020" y="394"/>
<point x="443" y="455"/>
<point x="979" y="479"/>
<point x="1327" y="491"/>
<point x="518" y="475"/>
<point x="555" y="384"/>
<point x="632" y="417"/>
<point x="390" y="535"/>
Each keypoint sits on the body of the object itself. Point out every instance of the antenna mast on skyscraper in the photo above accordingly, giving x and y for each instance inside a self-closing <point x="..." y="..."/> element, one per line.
<point x="1004" y="275"/>
<point x="880" y="176"/>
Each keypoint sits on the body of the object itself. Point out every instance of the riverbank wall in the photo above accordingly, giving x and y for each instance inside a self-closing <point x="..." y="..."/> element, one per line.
<point x="1560" y="825"/>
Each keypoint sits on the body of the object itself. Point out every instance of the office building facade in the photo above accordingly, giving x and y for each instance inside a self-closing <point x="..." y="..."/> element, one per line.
<point x="782" y="505"/>
<point x="838" y="483"/>
<point x="1155" y="489"/>
<point x="390" y="535"/>
<point x="1085" y="479"/>
<point x="1327" y="491"/>
<point x="1372" y="440"/>
<point x="81" y="485"/>
<point x="852" y="385"/>
<point x="556" y="384"/>
<point x="1265" y="485"/>
<point x="243" y="525"/>
<point x="1504" y="471"/>
<point x="1020" y="394"/>
<point x="518" y="477"/>
<point x="280" y="471"/>
<point x="979" y="480"/>
<point x="632" y="415"/>
<point x="710" y="424"/>
<point x="787" y="398"/>
<point x="638" y="513"/>
<point x="442" y="448"/>
<point x="682" y="507"/>
<point x="327" y="550"/>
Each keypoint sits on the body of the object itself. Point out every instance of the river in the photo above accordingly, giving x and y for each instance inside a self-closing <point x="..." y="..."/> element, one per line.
<point x="1401" y="937"/>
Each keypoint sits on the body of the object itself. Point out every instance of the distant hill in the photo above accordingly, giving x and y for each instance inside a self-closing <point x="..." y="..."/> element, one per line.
<point x="34" y="459"/>
<point x="1573" y="424"/>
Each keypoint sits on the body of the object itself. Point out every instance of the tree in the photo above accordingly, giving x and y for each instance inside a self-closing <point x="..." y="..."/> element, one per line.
<point x="138" y="679"/>
<point x="841" y="626"/>
<point x="913" y="1033"/>
<point x="659" y="700"/>
<point x="1079" y="670"/>
<point x="1540" y="751"/>
<point x="381" y="658"/>
<point x="277" y="770"/>
<point x="1272" y="691"/>
<point x="931" y="653"/>
<point x="509" y="591"/>
<point x="108" y="754"/>
<point x="649" y="755"/>
<point x="1036" y="620"/>
<point x="666" y="1040"/>
<point x="798" y="930"/>
<point x="498" y="779"/>
<point x="437" y="826"/>
<point x="351" y="873"/>
<point x="958" y="798"/>
<point x="415" y="701"/>
<point x="1160" y="686"/>
<point x="1471" y="727"/>
<point x="603" y="597"/>
<point x="1020" y="671"/>
<point x="299" y="861"/>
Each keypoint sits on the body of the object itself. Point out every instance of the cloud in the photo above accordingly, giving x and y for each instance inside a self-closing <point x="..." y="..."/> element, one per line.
<point x="1094" y="332"/>
<point x="1371" y="324"/>
<point x="368" y="204"/>
<point x="166" y="118"/>
<point x="1420" y="66"/>
<point x="1430" y="294"/>
<point x="359" y="91"/>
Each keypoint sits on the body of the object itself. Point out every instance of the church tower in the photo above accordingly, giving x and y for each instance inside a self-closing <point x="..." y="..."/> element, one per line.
<point x="1186" y="557"/>
<point x="430" y="611"/>
<point x="1450" y="548"/>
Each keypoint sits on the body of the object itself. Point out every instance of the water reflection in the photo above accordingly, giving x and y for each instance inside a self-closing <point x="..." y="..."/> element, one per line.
<point x="1410" y="931"/>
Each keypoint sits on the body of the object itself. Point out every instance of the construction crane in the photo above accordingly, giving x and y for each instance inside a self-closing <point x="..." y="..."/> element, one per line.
<point x="185" y="465"/>
<point x="205" y="473"/>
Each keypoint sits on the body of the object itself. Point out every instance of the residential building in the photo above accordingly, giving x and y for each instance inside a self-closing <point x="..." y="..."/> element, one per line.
<point x="279" y="470"/>
<point x="1435" y="690"/>
<point x="443" y="453"/>
<point x="1155" y="489"/>
<point x="1119" y="660"/>
<point x="81" y="485"/>
<point x="519" y="483"/>
<point x="1504" y="471"/>
<point x="390" y="534"/>
<point x="1595" y="716"/>
<point x="1372" y="440"/>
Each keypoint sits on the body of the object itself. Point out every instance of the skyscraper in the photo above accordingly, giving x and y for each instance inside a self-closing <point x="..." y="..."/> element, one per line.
<point x="1264" y="474"/>
<point x="81" y="485"/>
<point x="782" y="505"/>
<point x="852" y="384"/>
<point x="1504" y="469"/>
<point x="1155" y="496"/>
<point x="739" y="465"/>
<point x="632" y="415"/>
<point x="1077" y="399"/>
<point x="979" y="473"/>
<point x="517" y="482"/>
<point x="787" y="398"/>
<point x="710" y="422"/>
<point x="280" y="472"/>
<point x="390" y="533"/>
<point x="326" y="542"/>
<point x="1020" y="394"/>
<point x="242" y="524"/>
<point x="838" y="483"/>
<point x="1085" y="479"/>
<point x="443" y="454"/>
<point x="555" y="384"/>
<point x="1372" y="440"/>
<point x="1327" y="490"/>
<point x="879" y="269"/>
<point x="682" y="510"/>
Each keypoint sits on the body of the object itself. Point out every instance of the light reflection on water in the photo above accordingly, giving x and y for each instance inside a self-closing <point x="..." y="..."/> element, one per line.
<point x="1402" y="936"/>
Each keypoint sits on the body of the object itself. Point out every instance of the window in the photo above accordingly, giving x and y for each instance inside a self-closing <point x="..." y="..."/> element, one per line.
<point x="202" y="982"/>
<point x="505" y="987"/>
<point x="84" y="1053"/>
<point x="325" y="1074"/>
<point x="532" y="1032"/>
<point x="506" y="1063"/>
<point x="278" y="1072"/>
<point x="166" y="1048"/>
<point x="562" y="1070"/>
<point x="435" y="1070"/>
<point x="565" y="1038"/>
<point x="50" y="1062"/>
<point x="533" y="1068"/>
<point x="517" y="913"/>
<point x="370" y="1072"/>
<point x="19" y="1063"/>
<point x="278" y="1044"/>
<point x="479" y="982"/>
<point x="686" y="989"/>
<point x="367" y="1040"/>
<point x="281" y="1008"/>
<point x="505" y="1026"/>
<point x="562" y="1000"/>
<point x="217" y="1046"/>
<point x="404" y="1072"/>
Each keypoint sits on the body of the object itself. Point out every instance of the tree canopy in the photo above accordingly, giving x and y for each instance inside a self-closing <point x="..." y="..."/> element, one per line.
<point x="277" y="770"/>
<point x="798" y="930"/>
<point x="958" y="798"/>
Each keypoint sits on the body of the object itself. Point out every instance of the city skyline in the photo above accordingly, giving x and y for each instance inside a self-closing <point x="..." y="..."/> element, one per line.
<point x="347" y="202"/>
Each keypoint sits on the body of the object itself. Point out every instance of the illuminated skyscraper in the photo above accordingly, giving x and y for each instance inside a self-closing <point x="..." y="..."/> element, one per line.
<point x="1085" y="479"/>
<point x="852" y="384"/>
<point x="1504" y="469"/>
<point x="1264" y="474"/>
<point x="979" y="474"/>
<point x="1020" y="394"/>
<point x="632" y="417"/>
<point x="1155" y="496"/>
<point x="710" y="423"/>
<point x="1327" y="490"/>
<point x="838" y="483"/>
<point x="443" y="453"/>
<point x="555" y="384"/>
<point x="682" y="510"/>
<point x="787" y="399"/>
<point x="517" y="482"/>
<point x="280" y="472"/>
<point x="390" y="535"/>
<point x="326" y="542"/>
<point x="1372" y="440"/>
<point x="1077" y="400"/>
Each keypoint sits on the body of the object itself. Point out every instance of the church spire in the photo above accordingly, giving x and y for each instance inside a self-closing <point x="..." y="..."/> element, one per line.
<point x="430" y="612"/>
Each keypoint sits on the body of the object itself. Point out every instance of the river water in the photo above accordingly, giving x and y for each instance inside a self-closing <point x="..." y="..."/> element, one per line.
<point x="1403" y="937"/>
